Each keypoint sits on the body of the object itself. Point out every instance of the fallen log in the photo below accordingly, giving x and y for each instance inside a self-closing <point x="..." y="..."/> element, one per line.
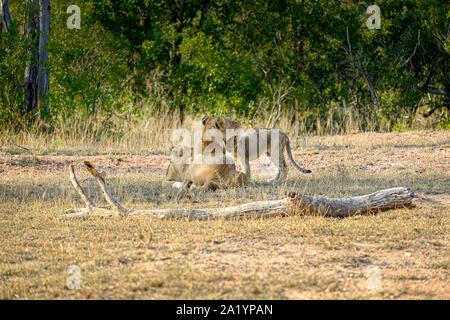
<point x="294" y="204"/>
<point x="382" y="200"/>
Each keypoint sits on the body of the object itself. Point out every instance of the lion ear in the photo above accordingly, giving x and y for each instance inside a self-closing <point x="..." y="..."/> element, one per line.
<point x="204" y="119"/>
<point x="237" y="124"/>
<point x="220" y="124"/>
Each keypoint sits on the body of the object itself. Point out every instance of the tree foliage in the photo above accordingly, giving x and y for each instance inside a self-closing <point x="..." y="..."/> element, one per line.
<point x="304" y="59"/>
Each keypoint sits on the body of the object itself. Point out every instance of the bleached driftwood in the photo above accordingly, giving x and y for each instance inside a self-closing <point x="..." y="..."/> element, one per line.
<point x="382" y="200"/>
<point x="294" y="204"/>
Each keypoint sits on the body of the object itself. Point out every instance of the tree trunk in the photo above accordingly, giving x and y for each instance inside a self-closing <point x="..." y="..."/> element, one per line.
<point x="295" y="204"/>
<point x="5" y="16"/>
<point x="43" y="73"/>
<point x="31" y="70"/>
<point x="372" y="90"/>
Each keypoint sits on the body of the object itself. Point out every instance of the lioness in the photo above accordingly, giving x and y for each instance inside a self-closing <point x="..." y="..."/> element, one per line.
<point x="255" y="136"/>
<point x="206" y="176"/>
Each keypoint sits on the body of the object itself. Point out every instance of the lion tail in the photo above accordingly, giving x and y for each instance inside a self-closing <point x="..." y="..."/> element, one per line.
<point x="291" y="158"/>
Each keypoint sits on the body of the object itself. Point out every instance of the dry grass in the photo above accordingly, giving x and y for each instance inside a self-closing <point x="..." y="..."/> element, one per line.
<point x="277" y="258"/>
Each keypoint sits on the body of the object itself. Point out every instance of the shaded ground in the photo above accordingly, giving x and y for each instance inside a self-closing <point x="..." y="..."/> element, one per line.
<point x="395" y="255"/>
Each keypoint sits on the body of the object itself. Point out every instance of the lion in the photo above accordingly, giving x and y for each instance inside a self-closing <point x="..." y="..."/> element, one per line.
<point x="253" y="152"/>
<point x="206" y="176"/>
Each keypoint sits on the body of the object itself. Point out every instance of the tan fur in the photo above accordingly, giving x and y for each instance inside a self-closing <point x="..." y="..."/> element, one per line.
<point x="206" y="176"/>
<point x="222" y="124"/>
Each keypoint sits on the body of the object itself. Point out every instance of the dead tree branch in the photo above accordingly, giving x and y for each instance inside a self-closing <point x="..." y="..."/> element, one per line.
<point x="294" y="204"/>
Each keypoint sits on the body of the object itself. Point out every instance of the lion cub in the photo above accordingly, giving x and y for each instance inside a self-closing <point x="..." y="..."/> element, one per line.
<point x="206" y="176"/>
<point x="255" y="142"/>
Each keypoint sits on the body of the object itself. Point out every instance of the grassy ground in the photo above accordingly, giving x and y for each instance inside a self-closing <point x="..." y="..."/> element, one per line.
<point x="400" y="254"/>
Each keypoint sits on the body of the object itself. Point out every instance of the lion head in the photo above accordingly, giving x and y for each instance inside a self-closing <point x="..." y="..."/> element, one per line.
<point x="219" y="123"/>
